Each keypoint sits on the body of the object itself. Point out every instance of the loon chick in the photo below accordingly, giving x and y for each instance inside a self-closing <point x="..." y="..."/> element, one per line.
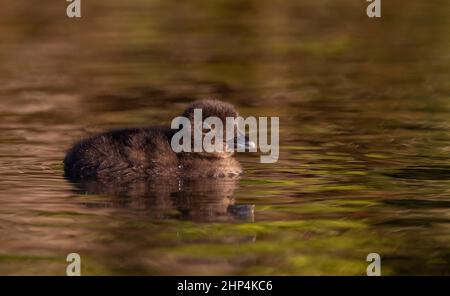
<point x="139" y="153"/>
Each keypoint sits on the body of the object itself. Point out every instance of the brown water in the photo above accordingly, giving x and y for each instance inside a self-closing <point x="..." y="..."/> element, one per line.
<point x="364" y="109"/>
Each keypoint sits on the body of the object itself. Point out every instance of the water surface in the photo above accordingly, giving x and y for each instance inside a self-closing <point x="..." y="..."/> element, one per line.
<point x="364" y="109"/>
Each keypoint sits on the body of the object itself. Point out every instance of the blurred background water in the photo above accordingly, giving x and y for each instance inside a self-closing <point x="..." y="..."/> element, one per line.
<point x="364" y="109"/>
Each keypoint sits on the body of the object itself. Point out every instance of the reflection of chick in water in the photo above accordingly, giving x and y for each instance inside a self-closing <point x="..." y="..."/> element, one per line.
<point x="199" y="200"/>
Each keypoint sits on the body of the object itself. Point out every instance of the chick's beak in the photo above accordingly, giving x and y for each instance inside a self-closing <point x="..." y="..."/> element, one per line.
<point x="241" y="141"/>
